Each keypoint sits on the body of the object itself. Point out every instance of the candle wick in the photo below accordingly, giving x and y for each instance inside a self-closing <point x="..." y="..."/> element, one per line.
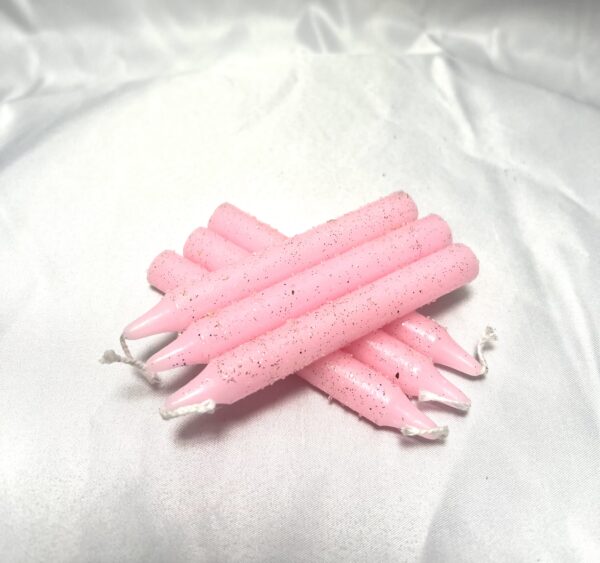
<point x="427" y="396"/>
<point x="489" y="335"/>
<point x="437" y="432"/>
<point x="204" y="407"/>
<point x="111" y="357"/>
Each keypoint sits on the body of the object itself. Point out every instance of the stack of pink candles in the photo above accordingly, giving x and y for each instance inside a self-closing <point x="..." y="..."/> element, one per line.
<point x="336" y="305"/>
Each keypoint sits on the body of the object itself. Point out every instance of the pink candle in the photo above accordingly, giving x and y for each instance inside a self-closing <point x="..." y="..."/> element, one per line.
<point x="263" y="311"/>
<point x="415" y="372"/>
<point x="301" y="341"/>
<point x="418" y="331"/>
<point x="370" y="394"/>
<point x="243" y="229"/>
<point x="432" y="340"/>
<point x="178" y="309"/>
<point x="169" y="271"/>
<point x="210" y="250"/>
<point x="411" y="370"/>
<point x="340" y="376"/>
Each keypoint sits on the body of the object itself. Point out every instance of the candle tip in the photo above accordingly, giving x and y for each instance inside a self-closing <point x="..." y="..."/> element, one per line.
<point x="205" y="407"/>
<point x="427" y="396"/>
<point x="489" y="335"/>
<point x="163" y="317"/>
<point x="438" y="432"/>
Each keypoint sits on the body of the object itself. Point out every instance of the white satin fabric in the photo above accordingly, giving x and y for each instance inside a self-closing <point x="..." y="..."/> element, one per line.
<point x="123" y="124"/>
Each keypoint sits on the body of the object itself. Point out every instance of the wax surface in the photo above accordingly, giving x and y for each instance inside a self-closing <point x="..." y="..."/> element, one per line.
<point x="177" y="309"/>
<point x="364" y="390"/>
<point x="413" y="371"/>
<point x="418" y="331"/>
<point x="208" y="249"/>
<point x="243" y="229"/>
<point x="307" y="290"/>
<point x="301" y="341"/>
<point x="422" y="334"/>
<point x="343" y="378"/>
<point x="169" y="271"/>
<point x="432" y="340"/>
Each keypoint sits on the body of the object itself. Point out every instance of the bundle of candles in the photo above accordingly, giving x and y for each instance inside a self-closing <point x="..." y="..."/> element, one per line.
<point x="336" y="305"/>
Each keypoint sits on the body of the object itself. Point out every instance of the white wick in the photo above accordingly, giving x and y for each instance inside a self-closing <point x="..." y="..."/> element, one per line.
<point x="437" y="432"/>
<point x="110" y="357"/>
<point x="426" y="396"/>
<point x="489" y="335"/>
<point x="205" y="407"/>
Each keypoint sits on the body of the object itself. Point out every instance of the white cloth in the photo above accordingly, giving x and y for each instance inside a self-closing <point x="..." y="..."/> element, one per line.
<point x="123" y="124"/>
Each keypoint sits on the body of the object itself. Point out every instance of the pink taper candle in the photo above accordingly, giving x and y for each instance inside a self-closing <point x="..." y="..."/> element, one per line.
<point x="418" y="331"/>
<point x="178" y="309"/>
<point x="433" y="340"/>
<point x="411" y="370"/>
<point x="243" y="229"/>
<point x="370" y="394"/>
<point x="169" y="271"/>
<point x="298" y="343"/>
<point x="209" y="250"/>
<point x="340" y="376"/>
<point x="422" y="334"/>
<point x="263" y="311"/>
<point x="415" y="372"/>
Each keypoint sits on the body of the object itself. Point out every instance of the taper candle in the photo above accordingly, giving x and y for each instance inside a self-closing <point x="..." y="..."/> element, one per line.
<point x="265" y="310"/>
<point x="412" y="371"/>
<point x="177" y="309"/>
<point x="418" y="331"/>
<point x="301" y="341"/>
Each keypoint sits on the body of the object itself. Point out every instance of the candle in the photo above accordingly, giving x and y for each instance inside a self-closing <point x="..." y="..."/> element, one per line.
<point x="368" y="393"/>
<point x="243" y="229"/>
<point x="415" y="372"/>
<point x="265" y="310"/>
<point x="339" y="376"/>
<point x="169" y="271"/>
<point x="432" y="339"/>
<point x="418" y="331"/>
<point x="210" y="250"/>
<point x="177" y="309"/>
<point x="301" y="341"/>
<point x="349" y="382"/>
<point x="412" y="371"/>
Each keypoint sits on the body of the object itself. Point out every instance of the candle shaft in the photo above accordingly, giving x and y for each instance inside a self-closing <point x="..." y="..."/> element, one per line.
<point x="415" y="372"/>
<point x="177" y="309"/>
<point x="169" y="270"/>
<point x="339" y="375"/>
<point x="412" y="371"/>
<point x="418" y="331"/>
<point x="298" y="343"/>
<point x="210" y="250"/>
<point x="263" y="311"/>
<point x="432" y="340"/>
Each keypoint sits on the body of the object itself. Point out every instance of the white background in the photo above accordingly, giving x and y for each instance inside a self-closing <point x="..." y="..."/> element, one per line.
<point x="122" y="126"/>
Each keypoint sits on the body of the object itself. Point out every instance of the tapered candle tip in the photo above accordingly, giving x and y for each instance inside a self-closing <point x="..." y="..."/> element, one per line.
<point x="205" y="407"/>
<point x="163" y="317"/>
<point x="489" y="335"/>
<point x="428" y="396"/>
<point x="435" y="433"/>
